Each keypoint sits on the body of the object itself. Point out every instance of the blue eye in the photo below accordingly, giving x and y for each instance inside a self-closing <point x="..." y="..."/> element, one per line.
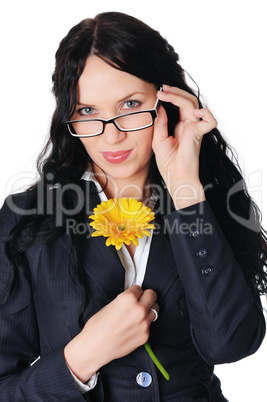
<point x="130" y="104"/>
<point x="86" y="111"/>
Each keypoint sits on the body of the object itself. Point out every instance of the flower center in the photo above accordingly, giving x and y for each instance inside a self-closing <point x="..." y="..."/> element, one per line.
<point x="121" y="227"/>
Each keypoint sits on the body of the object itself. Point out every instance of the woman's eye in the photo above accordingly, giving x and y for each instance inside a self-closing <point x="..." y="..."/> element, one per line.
<point x="130" y="104"/>
<point x="86" y="111"/>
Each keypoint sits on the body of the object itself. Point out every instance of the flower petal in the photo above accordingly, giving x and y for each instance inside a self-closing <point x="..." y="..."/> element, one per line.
<point x="122" y="220"/>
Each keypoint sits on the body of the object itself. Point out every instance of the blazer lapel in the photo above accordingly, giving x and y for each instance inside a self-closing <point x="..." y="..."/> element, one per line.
<point x="102" y="264"/>
<point x="161" y="269"/>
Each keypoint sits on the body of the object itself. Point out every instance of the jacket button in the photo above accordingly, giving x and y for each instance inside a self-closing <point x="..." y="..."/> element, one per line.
<point x="208" y="270"/>
<point x="195" y="234"/>
<point x="202" y="252"/>
<point x="143" y="379"/>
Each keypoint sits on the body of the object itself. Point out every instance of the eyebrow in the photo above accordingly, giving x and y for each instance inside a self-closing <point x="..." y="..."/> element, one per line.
<point x="120" y="100"/>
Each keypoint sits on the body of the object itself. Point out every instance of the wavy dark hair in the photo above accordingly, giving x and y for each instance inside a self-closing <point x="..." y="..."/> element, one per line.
<point x="130" y="45"/>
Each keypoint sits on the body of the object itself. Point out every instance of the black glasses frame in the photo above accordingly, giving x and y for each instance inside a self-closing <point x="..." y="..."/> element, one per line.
<point x="153" y="112"/>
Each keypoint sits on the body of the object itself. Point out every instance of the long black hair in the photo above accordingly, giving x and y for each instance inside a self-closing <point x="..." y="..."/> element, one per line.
<point x="132" y="46"/>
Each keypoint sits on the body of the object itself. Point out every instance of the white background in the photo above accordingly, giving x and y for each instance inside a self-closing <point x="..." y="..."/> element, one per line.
<point x="223" y="47"/>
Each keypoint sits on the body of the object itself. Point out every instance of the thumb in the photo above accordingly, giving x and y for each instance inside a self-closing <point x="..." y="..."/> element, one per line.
<point x="160" y="127"/>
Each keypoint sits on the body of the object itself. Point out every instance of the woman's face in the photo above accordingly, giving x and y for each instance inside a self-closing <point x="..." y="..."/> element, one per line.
<point x="105" y="92"/>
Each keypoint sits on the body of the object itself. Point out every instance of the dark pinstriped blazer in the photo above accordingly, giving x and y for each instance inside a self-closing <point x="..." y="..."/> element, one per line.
<point x="207" y="315"/>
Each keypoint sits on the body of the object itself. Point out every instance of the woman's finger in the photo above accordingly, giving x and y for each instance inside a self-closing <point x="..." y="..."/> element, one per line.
<point x="181" y="92"/>
<point x="177" y="100"/>
<point x="186" y="105"/>
<point x="136" y="290"/>
<point x="148" y="299"/>
<point x="207" y="122"/>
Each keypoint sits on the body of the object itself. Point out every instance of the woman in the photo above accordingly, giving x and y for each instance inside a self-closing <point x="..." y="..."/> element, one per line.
<point x="192" y="288"/>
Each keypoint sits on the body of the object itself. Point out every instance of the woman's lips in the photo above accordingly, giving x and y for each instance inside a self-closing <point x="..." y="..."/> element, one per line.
<point x="116" y="157"/>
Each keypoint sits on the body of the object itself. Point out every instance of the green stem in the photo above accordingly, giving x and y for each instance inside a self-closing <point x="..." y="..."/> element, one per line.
<point x="156" y="361"/>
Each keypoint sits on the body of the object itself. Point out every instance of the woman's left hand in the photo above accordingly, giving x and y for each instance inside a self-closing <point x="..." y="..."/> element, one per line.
<point x="177" y="156"/>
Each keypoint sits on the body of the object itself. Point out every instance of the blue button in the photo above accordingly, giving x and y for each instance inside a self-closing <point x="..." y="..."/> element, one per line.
<point x="202" y="252"/>
<point x="208" y="270"/>
<point x="143" y="379"/>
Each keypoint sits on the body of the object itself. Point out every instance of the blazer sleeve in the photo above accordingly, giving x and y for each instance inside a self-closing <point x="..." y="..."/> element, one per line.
<point x="227" y="322"/>
<point x="48" y="379"/>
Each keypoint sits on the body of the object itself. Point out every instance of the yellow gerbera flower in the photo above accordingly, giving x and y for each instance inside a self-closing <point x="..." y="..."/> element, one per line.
<point x="122" y="220"/>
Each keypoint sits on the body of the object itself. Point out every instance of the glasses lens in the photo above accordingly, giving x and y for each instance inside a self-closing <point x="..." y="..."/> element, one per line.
<point x="135" y="121"/>
<point x="86" y="127"/>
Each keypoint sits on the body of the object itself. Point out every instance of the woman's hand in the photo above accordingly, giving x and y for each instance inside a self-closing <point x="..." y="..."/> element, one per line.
<point x="115" y="331"/>
<point x="177" y="157"/>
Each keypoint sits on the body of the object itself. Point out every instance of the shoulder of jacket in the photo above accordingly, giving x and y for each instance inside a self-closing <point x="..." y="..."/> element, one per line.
<point x="13" y="207"/>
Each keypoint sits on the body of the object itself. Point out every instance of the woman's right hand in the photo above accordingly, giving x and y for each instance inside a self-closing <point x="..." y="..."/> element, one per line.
<point x="115" y="331"/>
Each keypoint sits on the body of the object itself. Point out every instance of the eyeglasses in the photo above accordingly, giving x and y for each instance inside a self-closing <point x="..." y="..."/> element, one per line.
<point x="125" y="122"/>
